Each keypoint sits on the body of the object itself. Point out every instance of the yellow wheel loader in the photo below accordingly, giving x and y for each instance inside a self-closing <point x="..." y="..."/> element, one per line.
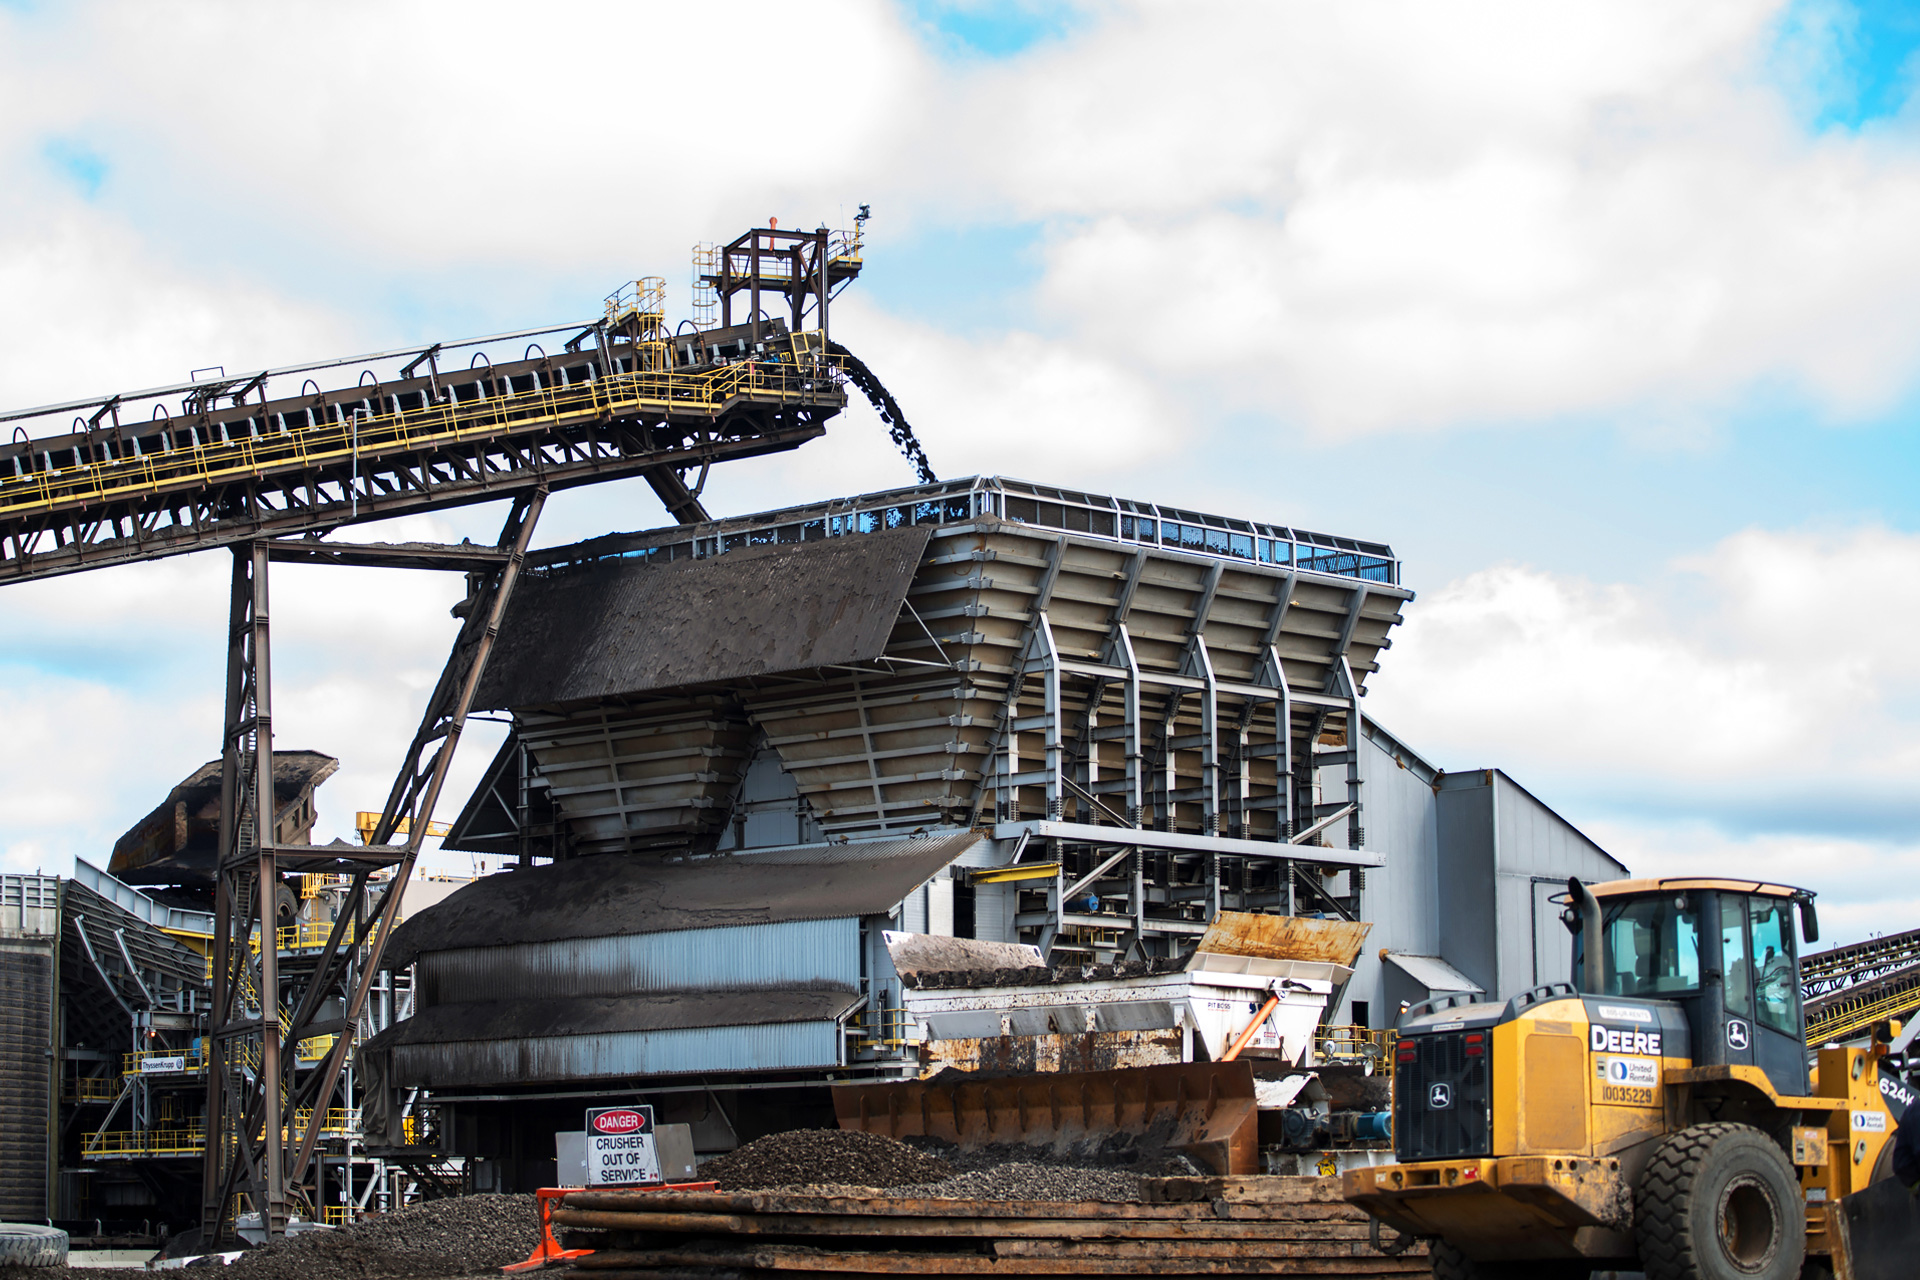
<point x="1656" y="1114"/>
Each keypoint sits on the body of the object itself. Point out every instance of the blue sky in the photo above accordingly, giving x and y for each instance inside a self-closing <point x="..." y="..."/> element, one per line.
<point x="1603" y="315"/>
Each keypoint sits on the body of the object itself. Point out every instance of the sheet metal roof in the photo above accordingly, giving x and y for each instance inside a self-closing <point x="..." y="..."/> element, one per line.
<point x="608" y="894"/>
<point x="625" y="626"/>
<point x="552" y="1016"/>
<point x="1433" y="973"/>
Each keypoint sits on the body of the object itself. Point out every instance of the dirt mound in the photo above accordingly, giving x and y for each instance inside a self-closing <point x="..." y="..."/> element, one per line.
<point x="823" y="1156"/>
<point x="463" y="1235"/>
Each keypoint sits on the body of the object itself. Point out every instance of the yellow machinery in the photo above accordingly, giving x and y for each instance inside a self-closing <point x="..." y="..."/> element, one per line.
<point x="1662" y="1117"/>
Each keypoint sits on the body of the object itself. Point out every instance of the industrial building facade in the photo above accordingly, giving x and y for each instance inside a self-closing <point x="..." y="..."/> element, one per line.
<point x="743" y="751"/>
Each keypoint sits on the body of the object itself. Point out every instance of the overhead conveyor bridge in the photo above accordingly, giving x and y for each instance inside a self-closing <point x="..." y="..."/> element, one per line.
<point x="1849" y="989"/>
<point x="230" y="462"/>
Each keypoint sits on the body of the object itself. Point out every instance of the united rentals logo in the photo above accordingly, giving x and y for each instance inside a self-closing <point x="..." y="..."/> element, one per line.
<point x="1439" y="1096"/>
<point x="619" y="1120"/>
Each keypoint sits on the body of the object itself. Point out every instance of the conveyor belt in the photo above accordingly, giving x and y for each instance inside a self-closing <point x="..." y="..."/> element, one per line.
<point x="220" y="474"/>
<point x="1848" y="989"/>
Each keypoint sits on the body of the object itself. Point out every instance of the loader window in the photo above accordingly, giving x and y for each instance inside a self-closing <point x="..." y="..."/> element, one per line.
<point x="1653" y="948"/>
<point x="1776" y="975"/>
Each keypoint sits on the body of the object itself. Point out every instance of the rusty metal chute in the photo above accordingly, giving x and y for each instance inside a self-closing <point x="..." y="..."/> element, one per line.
<point x="1206" y="1110"/>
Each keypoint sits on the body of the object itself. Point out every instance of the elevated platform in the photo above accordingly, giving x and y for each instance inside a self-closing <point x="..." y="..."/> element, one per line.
<point x="983" y="649"/>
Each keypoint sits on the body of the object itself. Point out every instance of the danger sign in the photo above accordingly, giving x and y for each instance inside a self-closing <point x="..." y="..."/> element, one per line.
<point x="620" y="1147"/>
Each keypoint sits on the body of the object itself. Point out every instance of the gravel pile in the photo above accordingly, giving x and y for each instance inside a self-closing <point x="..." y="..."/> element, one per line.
<point x="823" y="1156"/>
<point x="1014" y="1180"/>
<point x="466" y="1235"/>
<point x="1023" y="1180"/>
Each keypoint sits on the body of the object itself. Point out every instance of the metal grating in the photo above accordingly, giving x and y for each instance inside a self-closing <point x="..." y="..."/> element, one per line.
<point x="1463" y="1127"/>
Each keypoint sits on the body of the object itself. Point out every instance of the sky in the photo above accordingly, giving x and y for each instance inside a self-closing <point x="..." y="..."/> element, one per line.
<point x="1602" y="314"/>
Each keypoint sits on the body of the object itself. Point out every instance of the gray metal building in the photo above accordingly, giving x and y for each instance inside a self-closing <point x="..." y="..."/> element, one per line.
<point x="743" y="750"/>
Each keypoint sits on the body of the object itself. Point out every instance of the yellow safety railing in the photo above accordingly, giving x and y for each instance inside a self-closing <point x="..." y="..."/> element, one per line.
<point x="339" y="1122"/>
<point x="645" y="300"/>
<point x="1355" y="1046"/>
<point x="315" y="883"/>
<point x="336" y="1215"/>
<point x="1850" y="1020"/>
<point x="706" y="298"/>
<point x="93" y="1088"/>
<point x="189" y="1141"/>
<point x="161" y="1061"/>
<point x="366" y="822"/>
<point x="314" y="1048"/>
<point x="886" y="1028"/>
<point x="664" y="391"/>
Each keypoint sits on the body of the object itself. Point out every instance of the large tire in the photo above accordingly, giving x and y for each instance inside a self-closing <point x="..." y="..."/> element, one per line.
<point x="24" y="1245"/>
<point x="1720" y="1202"/>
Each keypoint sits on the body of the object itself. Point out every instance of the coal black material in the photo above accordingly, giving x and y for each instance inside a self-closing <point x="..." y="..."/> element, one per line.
<point x="839" y="1157"/>
<point x="969" y="979"/>
<point x="631" y="626"/>
<point x="889" y="410"/>
<point x="463" y="1235"/>
<point x="609" y="894"/>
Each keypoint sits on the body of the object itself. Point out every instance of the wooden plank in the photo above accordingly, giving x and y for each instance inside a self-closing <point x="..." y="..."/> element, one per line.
<point x="814" y="1262"/>
<point x="721" y="1224"/>
<point x="1176" y="1250"/>
<point x="1255" y="1189"/>
<point x="902" y="1207"/>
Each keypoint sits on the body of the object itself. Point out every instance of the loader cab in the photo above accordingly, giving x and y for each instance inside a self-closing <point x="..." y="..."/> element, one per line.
<point x="1723" y="950"/>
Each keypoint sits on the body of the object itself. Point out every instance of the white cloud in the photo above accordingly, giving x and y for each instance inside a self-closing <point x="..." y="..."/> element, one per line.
<point x="1753" y="712"/>
<point x="1362" y="219"/>
<point x="1775" y="654"/>
<point x="1861" y="883"/>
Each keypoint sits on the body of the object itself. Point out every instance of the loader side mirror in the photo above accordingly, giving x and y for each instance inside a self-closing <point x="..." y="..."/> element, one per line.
<point x="1809" y="922"/>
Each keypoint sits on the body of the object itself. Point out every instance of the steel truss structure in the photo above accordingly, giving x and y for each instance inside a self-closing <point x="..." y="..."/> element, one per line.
<point x="1849" y="989"/>
<point x="256" y="1100"/>
<point x="237" y="462"/>
<point x="242" y="460"/>
<point x="1162" y="707"/>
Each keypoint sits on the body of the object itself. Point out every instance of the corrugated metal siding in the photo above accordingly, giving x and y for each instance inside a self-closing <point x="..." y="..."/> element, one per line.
<point x="793" y="953"/>
<point x="26" y="1005"/>
<point x="993" y="912"/>
<point x="704" y="1050"/>
<point x="913" y="911"/>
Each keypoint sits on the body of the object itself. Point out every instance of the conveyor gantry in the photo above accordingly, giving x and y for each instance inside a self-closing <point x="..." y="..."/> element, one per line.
<point x="246" y="463"/>
<point x="167" y="470"/>
<point x="1849" y="989"/>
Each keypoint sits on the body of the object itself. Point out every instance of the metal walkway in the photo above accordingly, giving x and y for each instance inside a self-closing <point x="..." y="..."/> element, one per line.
<point x="1848" y="989"/>
<point x="112" y="490"/>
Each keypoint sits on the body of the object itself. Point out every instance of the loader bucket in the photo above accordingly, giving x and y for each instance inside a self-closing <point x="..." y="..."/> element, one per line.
<point x="1205" y="1109"/>
<point x="1879" y="1232"/>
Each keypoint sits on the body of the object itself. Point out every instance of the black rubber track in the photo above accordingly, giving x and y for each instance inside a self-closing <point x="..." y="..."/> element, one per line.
<point x="1678" y="1236"/>
<point x="889" y="411"/>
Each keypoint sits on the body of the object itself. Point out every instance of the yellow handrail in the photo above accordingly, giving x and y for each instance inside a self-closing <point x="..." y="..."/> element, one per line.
<point x="147" y="1061"/>
<point x="709" y="392"/>
<point x="189" y="1141"/>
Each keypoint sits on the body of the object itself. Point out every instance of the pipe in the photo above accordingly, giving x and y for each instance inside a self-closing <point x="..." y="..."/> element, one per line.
<point x="1592" y="976"/>
<point x="1245" y="1038"/>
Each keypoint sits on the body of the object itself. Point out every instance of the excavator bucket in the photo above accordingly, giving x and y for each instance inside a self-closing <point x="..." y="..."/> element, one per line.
<point x="1204" y="1109"/>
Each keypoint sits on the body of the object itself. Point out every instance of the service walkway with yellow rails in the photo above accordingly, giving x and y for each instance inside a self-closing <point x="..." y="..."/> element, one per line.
<point x="309" y="463"/>
<point x="339" y="1123"/>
